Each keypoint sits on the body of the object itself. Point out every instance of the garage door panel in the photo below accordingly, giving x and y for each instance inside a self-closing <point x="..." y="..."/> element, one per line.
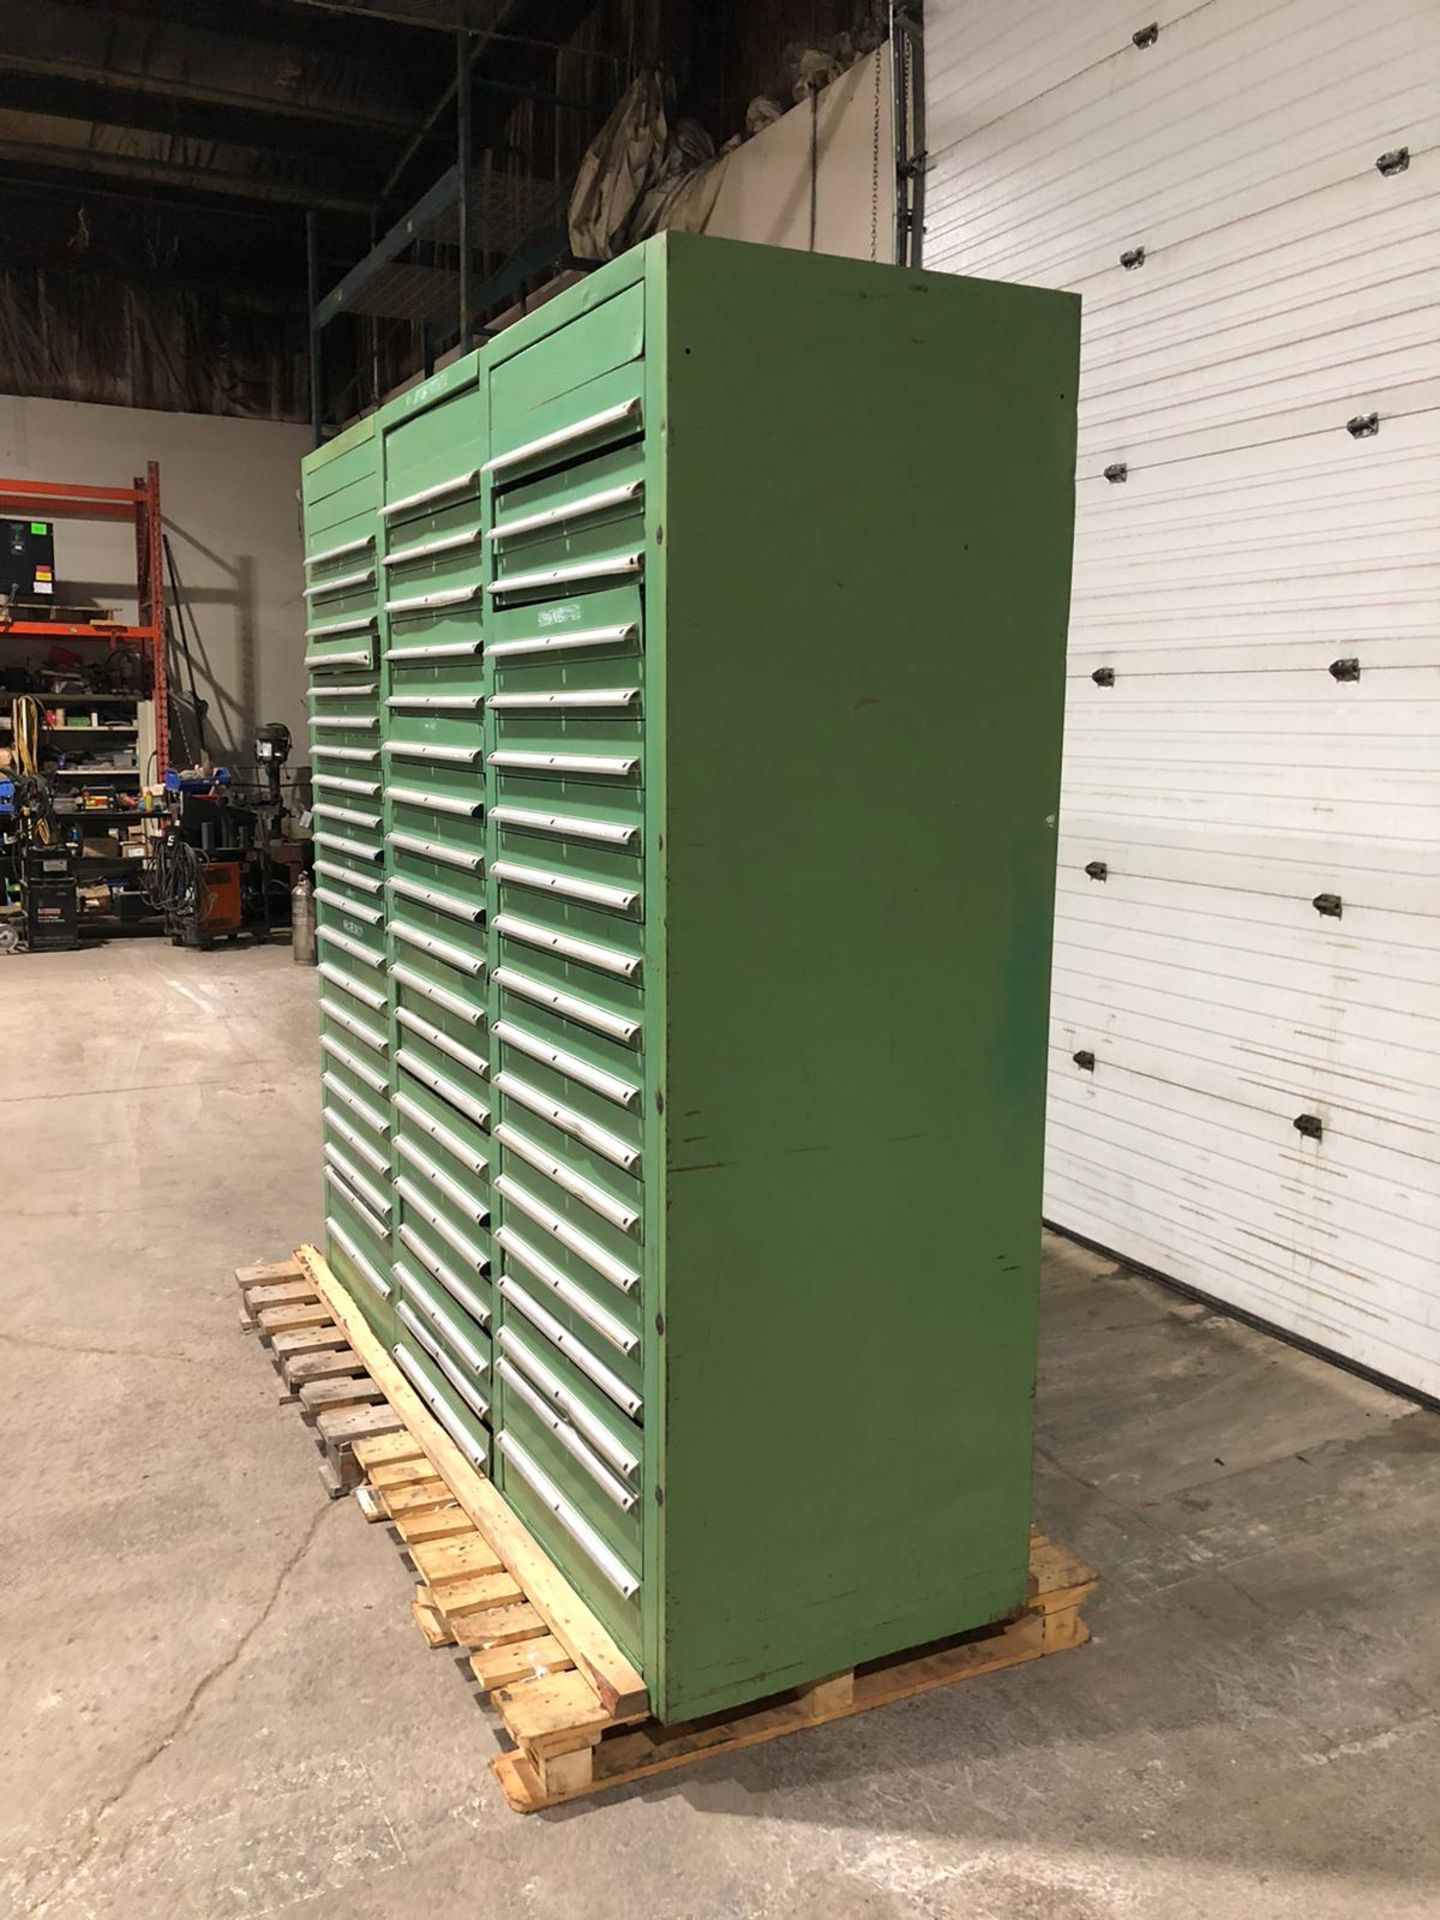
<point x="1218" y="427"/>
<point x="1230" y="1051"/>
<point x="1258" y="930"/>
<point x="1398" y="877"/>
<point x="1263" y="1179"/>
<point x="1357" y="1325"/>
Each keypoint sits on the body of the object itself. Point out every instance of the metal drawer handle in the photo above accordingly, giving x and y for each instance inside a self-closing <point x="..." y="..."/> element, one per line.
<point x="341" y="783"/>
<point x="442" y="949"/>
<point x="437" y="898"/>
<point x="567" y="1436"/>
<point x="468" y="1010"/>
<point x="590" y="1251"/>
<point x="338" y="553"/>
<point x="591" y="953"/>
<point x="437" y="1037"/>
<point x="606" y="567"/>
<point x="367" y="956"/>
<point x="548" y="1383"/>
<point x="599" y="1139"/>
<point x="371" y="997"/>
<point x="562" y="642"/>
<point x="337" y="1050"/>
<point x="568" y="1004"/>
<point x="608" y="1085"/>
<point x="373" y="915"/>
<point x="334" y="1011"/>
<point x="435" y="650"/>
<point x="433" y="750"/>
<point x="376" y="1228"/>
<point x="563" y="763"/>
<point x="457" y="483"/>
<point x="585" y="1190"/>
<point x="340" y="583"/>
<point x="347" y="876"/>
<point x="350" y="690"/>
<point x="451" y="1281"/>
<point x="343" y="844"/>
<point x="440" y="702"/>
<point x="472" y="1255"/>
<point x="563" y="436"/>
<point x="621" y="898"/>
<point x="572" y="826"/>
<point x="439" y="802"/>
<point x="580" y="509"/>
<point x="373" y="1118"/>
<point x="441" y="1084"/>
<point x="351" y="1134"/>
<point x="564" y="1288"/>
<point x="474" y="1210"/>
<point x="374" y="1198"/>
<point x="362" y="1262"/>
<point x="574" y="1350"/>
<point x="424" y="549"/>
<point x="574" y="1523"/>
<point x="476" y="1455"/>
<point x="427" y="602"/>
<point x="452" y="1143"/>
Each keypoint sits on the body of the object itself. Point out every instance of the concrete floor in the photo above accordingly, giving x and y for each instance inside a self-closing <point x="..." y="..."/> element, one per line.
<point x="213" y="1702"/>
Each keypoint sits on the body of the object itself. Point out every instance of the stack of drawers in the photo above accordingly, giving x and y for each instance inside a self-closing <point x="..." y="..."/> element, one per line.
<point x="640" y="862"/>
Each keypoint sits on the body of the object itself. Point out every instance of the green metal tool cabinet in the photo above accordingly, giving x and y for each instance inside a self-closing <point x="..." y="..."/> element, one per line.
<point x="686" y="677"/>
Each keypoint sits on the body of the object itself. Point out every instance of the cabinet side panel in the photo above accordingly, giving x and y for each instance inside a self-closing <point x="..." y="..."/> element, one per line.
<point x="867" y="536"/>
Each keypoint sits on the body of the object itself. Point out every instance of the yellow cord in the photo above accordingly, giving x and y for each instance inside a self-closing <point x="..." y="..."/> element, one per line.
<point x="27" y="722"/>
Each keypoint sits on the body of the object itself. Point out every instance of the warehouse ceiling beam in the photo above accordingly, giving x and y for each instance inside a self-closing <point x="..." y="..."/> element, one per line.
<point x="105" y="102"/>
<point x="168" y="173"/>
<point x="438" y="16"/>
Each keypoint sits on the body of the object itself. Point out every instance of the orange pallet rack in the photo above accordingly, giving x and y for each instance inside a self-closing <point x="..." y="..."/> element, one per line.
<point x="138" y="503"/>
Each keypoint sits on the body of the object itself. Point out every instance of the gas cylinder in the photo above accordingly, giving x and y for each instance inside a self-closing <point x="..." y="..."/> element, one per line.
<point x="302" y="922"/>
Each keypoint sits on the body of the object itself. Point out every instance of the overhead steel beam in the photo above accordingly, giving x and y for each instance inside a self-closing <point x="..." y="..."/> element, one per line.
<point x="169" y="173"/>
<point x="127" y="84"/>
<point x="439" y="16"/>
<point x="115" y="103"/>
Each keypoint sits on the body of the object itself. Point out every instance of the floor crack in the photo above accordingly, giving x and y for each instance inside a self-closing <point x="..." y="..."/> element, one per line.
<point x="32" y="1341"/>
<point x="188" y="1709"/>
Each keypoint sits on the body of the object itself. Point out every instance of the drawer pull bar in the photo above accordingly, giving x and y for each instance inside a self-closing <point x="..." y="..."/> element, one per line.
<point x="621" y="898"/>
<point x="338" y="722"/>
<point x="473" y="1452"/>
<point x="447" y="1230"/>
<point x="609" y="1085"/>
<point x="351" y="690"/>
<point x="357" y="623"/>
<point x="436" y="850"/>
<point x="563" y="763"/>
<point x="423" y="549"/>
<point x="562" y="642"/>
<point x="610" y="1564"/>
<point x="347" y="876"/>
<point x="352" y="1135"/>
<point x="357" y="949"/>
<point x="571" y="825"/>
<point x="374" y="1197"/>
<point x="437" y="899"/>
<point x="428" y="1344"/>
<point x="436" y="650"/>
<point x="590" y="953"/>
<point x="365" y="756"/>
<point x="377" y="1121"/>
<point x="561" y="1428"/>
<point x="442" y="1135"/>
<point x="615" y="1271"/>
<point x="579" y="509"/>
<point x="468" y="1010"/>
<point x="594" y="1197"/>
<point x="328" y="897"/>
<point x="430" y="943"/>
<point x="574" y="1350"/>
<point x="357" y="849"/>
<point x="440" y="702"/>
<point x="433" y="750"/>
<point x="475" y="1211"/>
<point x="519" y="1355"/>
<point x="562" y="436"/>
<point x="373" y="1226"/>
<point x="411" y="1284"/>
<point x="361" y="1260"/>
<point x="439" y="802"/>
<point x="569" y="1005"/>
<point x="457" y="483"/>
<point x="351" y="816"/>
<point x="340" y="783"/>
<point x="447" y="1277"/>
<point x="603" y="567"/>
<point x="599" y="1139"/>
<point x="340" y="583"/>
<point x="337" y="1050"/>
<point x="442" y="1040"/>
<point x="442" y="1085"/>
<point x="427" y="602"/>
<point x="568" y="697"/>
<point x="353" y="1025"/>
<point x="352" y="657"/>
<point x="441" y="1323"/>
<point x="338" y="553"/>
<point x="370" y="997"/>
<point x="564" y="1288"/>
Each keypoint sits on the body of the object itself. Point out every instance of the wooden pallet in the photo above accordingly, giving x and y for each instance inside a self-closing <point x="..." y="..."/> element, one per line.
<point x="319" y="1369"/>
<point x="567" y="1698"/>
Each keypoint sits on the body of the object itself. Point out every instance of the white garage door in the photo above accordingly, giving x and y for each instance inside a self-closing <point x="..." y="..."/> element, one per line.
<point x="1248" y="921"/>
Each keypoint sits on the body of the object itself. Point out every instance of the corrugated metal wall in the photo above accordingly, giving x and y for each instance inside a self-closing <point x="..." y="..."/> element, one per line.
<point x="1238" y="543"/>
